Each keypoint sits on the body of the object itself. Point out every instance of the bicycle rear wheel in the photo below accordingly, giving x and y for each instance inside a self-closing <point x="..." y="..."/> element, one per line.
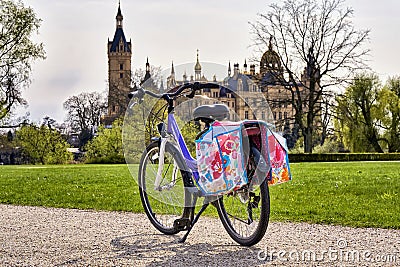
<point x="245" y="213"/>
<point x="165" y="204"/>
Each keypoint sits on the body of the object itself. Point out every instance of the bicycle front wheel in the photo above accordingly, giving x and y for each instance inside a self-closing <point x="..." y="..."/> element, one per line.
<point x="245" y="213"/>
<point x="163" y="204"/>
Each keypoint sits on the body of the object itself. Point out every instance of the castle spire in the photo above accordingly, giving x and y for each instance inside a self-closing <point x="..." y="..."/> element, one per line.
<point x="229" y="69"/>
<point x="147" y="65"/>
<point x="172" y="69"/>
<point x="171" y="82"/>
<point x="147" y="74"/>
<point x="119" y="16"/>
<point x="270" y="43"/>
<point x="197" y="68"/>
<point x="184" y="76"/>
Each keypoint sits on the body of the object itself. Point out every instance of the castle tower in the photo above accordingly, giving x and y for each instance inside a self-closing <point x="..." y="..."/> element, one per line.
<point x="197" y="68"/>
<point x="171" y="81"/>
<point x="119" y="52"/>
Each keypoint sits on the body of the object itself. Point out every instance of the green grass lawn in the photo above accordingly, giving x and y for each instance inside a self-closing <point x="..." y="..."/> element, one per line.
<point x="361" y="194"/>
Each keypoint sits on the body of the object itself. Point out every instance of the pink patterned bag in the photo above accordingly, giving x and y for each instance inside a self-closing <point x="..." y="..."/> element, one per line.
<point x="278" y="158"/>
<point x="221" y="157"/>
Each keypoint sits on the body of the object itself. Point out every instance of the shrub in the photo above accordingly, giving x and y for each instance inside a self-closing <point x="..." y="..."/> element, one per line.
<point x="332" y="157"/>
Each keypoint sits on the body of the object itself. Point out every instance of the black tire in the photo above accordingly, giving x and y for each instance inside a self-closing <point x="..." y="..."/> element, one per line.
<point x="245" y="212"/>
<point x="165" y="205"/>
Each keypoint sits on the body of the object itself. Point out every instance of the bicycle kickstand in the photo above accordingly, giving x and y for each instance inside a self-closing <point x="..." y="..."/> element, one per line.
<point x="203" y="208"/>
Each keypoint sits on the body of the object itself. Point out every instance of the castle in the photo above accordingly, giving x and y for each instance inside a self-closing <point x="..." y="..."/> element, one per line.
<point x="241" y="81"/>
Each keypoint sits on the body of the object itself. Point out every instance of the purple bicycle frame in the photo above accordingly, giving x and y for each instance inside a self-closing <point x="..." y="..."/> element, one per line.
<point x="174" y="130"/>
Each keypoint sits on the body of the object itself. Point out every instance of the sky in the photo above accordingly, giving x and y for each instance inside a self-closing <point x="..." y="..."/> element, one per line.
<point x="75" y="35"/>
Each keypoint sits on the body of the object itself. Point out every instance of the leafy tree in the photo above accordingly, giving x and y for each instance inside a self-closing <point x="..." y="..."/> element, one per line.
<point x="320" y="36"/>
<point x="43" y="144"/>
<point x="358" y="114"/>
<point x="84" y="113"/>
<point x="17" y="52"/>
<point x="107" y="145"/>
<point x="389" y="105"/>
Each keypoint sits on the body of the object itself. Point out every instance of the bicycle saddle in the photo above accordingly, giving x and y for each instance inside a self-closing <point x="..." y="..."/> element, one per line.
<point x="213" y="112"/>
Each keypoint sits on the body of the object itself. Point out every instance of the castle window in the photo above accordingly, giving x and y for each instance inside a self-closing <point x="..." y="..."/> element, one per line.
<point x="274" y="115"/>
<point x="280" y="115"/>
<point x="246" y="115"/>
<point x="285" y="115"/>
<point x="121" y="75"/>
<point x="240" y="85"/>
<point x="121" y="66"/>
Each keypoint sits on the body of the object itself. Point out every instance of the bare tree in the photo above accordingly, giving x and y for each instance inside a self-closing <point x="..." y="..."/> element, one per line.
<point x="320" y="36"/>
<point x="84" y="113"/>
<point x="17" y="52"/>
<point x="142" y="76"/>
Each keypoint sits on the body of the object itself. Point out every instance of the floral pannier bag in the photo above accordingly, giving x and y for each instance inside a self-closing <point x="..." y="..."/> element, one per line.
<point x="221" y="156"/>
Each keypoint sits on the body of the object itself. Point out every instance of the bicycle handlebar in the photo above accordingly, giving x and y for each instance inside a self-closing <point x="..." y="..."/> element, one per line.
<point x="139" y="93"/>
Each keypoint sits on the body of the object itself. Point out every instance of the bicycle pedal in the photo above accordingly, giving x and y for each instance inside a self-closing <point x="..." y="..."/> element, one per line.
<point x="182" y="224"/>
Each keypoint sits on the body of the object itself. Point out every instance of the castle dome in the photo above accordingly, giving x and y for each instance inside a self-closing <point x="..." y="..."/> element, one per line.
<point x="270" y="61"/>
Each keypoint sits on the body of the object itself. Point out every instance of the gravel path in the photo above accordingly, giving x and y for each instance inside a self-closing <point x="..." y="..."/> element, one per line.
<point x="36" y="236"/>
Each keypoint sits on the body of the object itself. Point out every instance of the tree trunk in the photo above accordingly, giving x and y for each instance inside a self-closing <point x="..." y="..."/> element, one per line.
<point x="308" y="140"/>
<point x="324" y="135"/>
<point x="394" y="142"/>
<point x="374" y="141"/>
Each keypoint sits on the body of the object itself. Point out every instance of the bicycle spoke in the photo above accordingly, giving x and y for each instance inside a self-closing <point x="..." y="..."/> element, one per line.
<point x="236" y="218"/>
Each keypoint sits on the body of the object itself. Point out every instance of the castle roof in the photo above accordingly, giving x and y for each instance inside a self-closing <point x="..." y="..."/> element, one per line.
<point x="232" y="82"/>
<point x="119" y="34"/>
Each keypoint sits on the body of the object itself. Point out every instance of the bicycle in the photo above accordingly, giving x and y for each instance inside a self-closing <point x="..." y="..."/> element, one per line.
<point x="167" y="175"/>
